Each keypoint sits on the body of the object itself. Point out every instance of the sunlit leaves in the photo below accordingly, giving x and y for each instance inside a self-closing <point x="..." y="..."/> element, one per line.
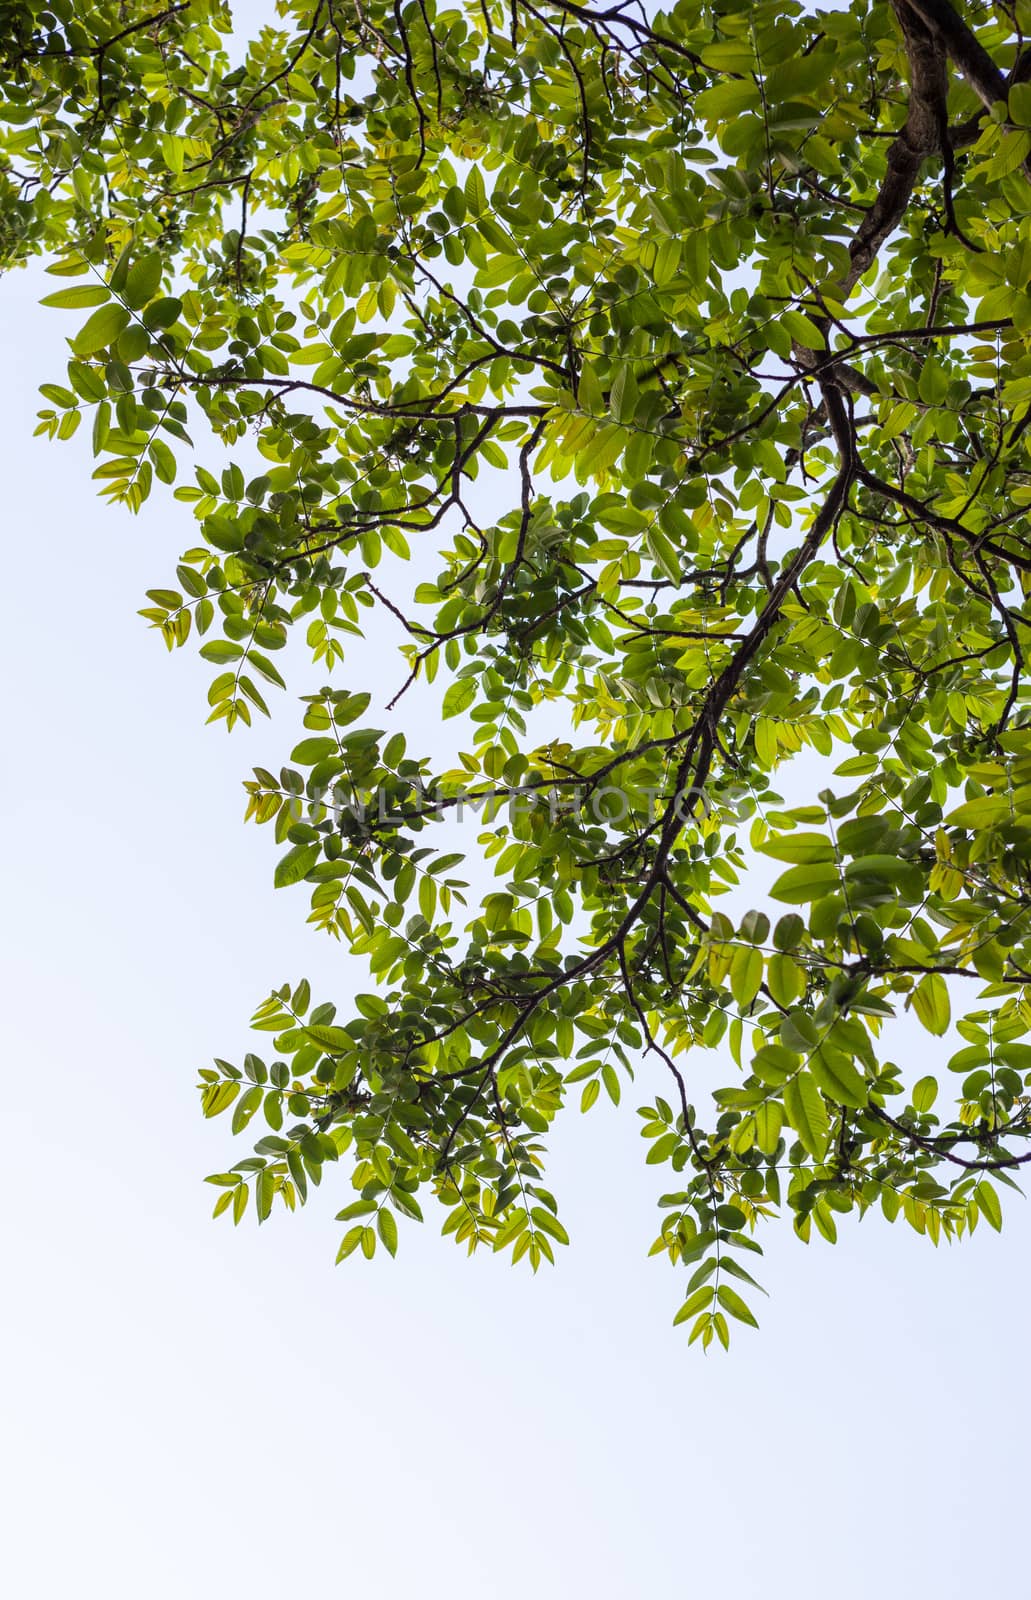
<point x="554" y="350"/>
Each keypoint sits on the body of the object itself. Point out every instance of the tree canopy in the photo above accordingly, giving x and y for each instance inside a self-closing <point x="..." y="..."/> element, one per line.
<point x="659" y="378"/>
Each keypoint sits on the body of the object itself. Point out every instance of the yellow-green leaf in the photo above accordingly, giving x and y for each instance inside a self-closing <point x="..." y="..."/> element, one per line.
<point x="931" y="1002"/>
<point x="807" y="1113"/>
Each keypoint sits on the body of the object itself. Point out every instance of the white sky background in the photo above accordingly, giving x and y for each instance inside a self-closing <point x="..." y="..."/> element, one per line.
<point x="189" y="1409"/>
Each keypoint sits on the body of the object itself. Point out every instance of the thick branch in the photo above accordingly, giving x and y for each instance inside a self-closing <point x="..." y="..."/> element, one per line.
<point x="965" y="49"/>
<point x="920" y="137"/>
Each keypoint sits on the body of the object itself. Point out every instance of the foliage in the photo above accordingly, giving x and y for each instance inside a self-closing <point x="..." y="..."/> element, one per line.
<point x="727" y="309"/>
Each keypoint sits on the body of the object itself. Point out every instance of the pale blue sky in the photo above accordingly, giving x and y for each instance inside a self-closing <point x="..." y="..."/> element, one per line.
<point x="193" y="1411"/>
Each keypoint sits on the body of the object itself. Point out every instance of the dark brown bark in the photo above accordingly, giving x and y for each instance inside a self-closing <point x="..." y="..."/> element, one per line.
<point x="922" y="136"/>
<point x="963" y="46"/>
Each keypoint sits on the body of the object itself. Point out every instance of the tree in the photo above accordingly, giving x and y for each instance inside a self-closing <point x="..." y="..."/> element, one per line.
<point x="727" y="309"/>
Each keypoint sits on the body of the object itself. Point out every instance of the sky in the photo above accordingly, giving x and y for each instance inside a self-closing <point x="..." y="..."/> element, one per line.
<point x="189" y="1409"/>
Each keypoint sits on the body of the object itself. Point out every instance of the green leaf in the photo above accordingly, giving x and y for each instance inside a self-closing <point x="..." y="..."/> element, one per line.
<point x="458" y="696"/>
<point x="984" y="812"/>
<point x="800" y="847"/>
<point x="329" y="1038"/>
<point x="803" y="329"/>
<point x="309" y="751"/>
<point x="475" y="193"/>
<point x="350" y="1242"/>
<point x="931" y="1003"/>
<point x="264" y="1190"/>
<point x="925" y="1092"/>
<point x="549" y="1223"/>
<point x="746" y="974"/>
<point x="386" y="1227"/>
<point x="837" y="1077"/>
<point x="989" y="1205"/>
<point x="296" y="864"/>
<point x="807" y="1114"/>
<point x="663" y="553"/>
<point x="143" y="281"/>
<point x="101" y="329"/>
<point x="769" y="1119"/>
<point x="811" y="881"/>
<point x="78" y="297"/>
<point x="1019" y="100"/>
<point x="221" y="650"/>
<point x="700" y="1300"/>
<point x="731" y="1301"/>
